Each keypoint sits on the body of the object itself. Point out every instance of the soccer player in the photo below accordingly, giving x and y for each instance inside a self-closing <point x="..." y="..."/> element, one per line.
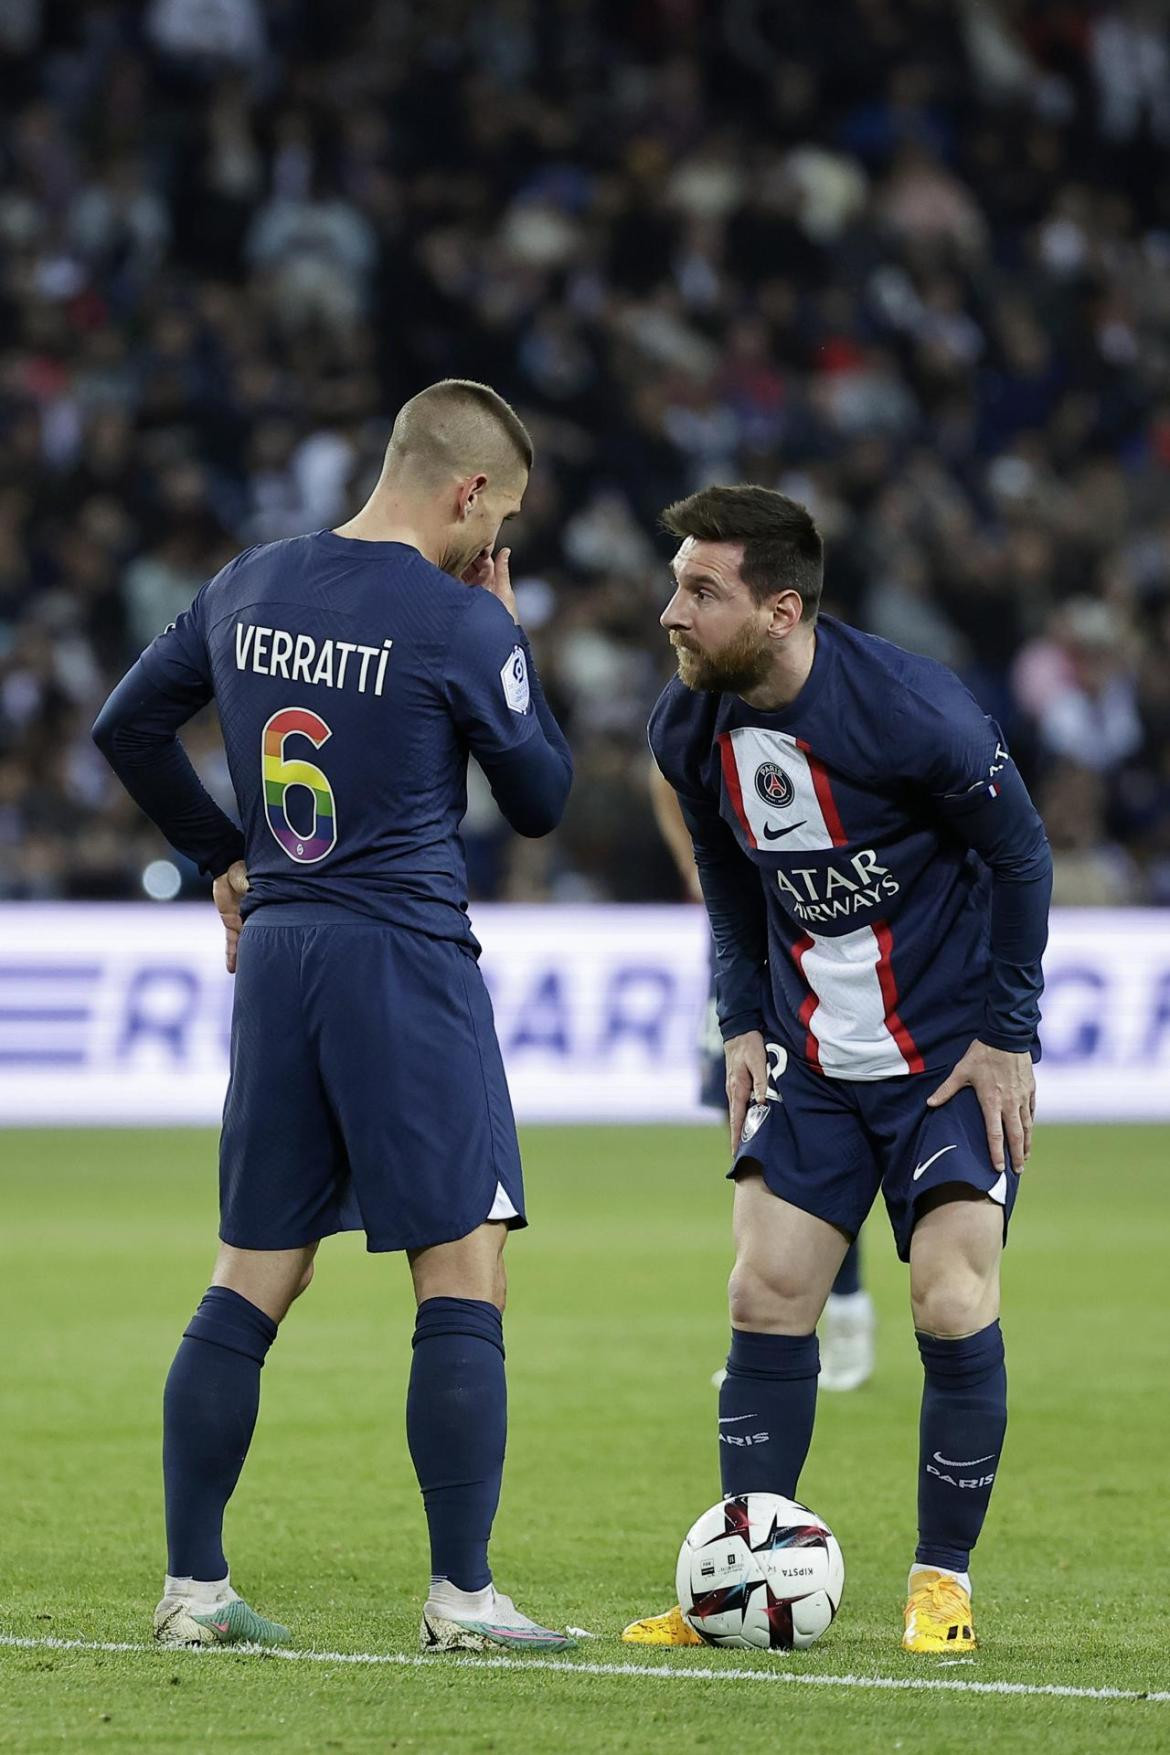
<point x="848" y="1322"/>
<point x="877" y="883"/>
<point x="354" y="671"/>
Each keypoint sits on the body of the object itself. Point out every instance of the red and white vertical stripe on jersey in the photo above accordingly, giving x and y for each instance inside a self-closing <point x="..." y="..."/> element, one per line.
<point x="819" y="775"/>
<point x="854" y="1020"/>
<point x="889" y="987"/>
<point x="808" y="1004"/>
<point x="734" y="789"/>
<point x="854" y="1029"/>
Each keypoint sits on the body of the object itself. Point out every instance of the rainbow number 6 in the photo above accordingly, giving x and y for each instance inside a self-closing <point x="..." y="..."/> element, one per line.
<point x="282" y="777"/>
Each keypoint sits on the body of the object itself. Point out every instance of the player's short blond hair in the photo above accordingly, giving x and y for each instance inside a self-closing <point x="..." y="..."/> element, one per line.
<point x="456" y="427"/>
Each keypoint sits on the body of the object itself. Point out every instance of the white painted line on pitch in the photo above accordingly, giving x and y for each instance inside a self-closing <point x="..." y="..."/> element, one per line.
<point x="567" y="1666"/>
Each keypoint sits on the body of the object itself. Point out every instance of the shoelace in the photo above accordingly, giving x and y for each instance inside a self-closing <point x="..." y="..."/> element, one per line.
<point x="944" y="1600"/>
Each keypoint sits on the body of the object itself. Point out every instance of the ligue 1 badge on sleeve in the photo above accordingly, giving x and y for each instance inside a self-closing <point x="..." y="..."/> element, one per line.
<point x="753" y="1122"/>
<point x="514" y="676"/>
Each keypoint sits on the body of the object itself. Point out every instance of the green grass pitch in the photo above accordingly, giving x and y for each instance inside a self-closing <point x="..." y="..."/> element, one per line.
<point x="615" y="1324"/>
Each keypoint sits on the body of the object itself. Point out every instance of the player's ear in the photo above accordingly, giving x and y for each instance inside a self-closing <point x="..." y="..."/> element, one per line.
<point x="786" y="612"/>
<point x="469" y="491"/>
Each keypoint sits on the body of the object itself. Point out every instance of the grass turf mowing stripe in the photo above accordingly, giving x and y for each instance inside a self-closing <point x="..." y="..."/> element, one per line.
<point x="408" y="1660"/>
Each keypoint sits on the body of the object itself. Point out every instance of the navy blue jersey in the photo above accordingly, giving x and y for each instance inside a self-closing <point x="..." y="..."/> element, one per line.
<point x="352" y="679"/>
<point x="876" y="875"/>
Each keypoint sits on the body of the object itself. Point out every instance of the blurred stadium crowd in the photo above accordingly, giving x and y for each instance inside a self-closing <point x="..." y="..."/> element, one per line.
<point x="908" y="260"/>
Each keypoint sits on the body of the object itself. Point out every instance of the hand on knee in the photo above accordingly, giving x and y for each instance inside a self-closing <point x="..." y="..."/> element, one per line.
<point x="770" y="1301"/>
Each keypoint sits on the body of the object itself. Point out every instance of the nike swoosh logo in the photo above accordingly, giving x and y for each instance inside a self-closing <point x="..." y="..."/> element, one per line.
<point x="771" y="834"/>
<point x="947" y="1463"/>
<point x="921" y="1169"/>
<point x="730" y="1419"/>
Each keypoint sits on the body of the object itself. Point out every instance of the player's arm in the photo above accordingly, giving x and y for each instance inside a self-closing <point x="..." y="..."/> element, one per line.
<point x="673" y="829"/>
<point x="137" y="730"/>
<point x="733" y="896"/>
<point x="498" y="704"/>
<point x="737" y="912"/>
<point x="999" y="820"/>
<point x="977" y="791"/>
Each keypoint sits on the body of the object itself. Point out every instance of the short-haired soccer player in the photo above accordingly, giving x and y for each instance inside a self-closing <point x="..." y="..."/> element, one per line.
<point x="877" y="882"/>
<point x="354" y="671"/>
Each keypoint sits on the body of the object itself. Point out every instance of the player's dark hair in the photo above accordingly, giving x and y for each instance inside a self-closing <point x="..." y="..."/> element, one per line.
<point x="782" y="548"/>
<point x="439" y="424"/>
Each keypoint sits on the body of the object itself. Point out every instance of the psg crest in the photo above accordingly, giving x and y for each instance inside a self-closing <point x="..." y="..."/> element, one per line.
<point x="753" y="1122"/>
<point x="774" y="786"/>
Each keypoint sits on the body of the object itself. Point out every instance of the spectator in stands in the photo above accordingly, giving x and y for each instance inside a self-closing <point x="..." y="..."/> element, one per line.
<point x="907" y="262"/>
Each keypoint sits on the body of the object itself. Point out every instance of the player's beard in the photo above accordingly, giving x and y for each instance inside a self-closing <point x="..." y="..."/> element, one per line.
<point x="742" y="663"/>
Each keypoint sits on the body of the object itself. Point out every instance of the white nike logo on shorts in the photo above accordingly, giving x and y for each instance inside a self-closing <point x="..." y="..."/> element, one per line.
<point x="921" y="1169"/>
<point x="730" y="1419"/>
<point x="948" y="1464"/>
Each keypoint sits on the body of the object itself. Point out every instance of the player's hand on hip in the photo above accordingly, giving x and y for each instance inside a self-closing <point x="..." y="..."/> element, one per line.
<point x="226" y="892"/>
<point x="747" y="1078"/>
<point x="492" y="573"/>
<point x="1005" y="1085"/>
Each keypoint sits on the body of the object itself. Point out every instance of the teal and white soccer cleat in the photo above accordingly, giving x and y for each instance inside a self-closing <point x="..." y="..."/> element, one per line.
<point x="494" y="1621"/>
<point x="185" y="1621"/>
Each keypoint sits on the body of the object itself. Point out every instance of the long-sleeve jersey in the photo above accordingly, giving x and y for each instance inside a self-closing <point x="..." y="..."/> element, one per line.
<point x="352" y="679"/>
<point x="875" y="873"/>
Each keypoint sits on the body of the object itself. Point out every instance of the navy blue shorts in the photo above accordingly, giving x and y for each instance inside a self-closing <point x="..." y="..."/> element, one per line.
<point x="367" y="1090"/>
<point x="828" y="1145"/>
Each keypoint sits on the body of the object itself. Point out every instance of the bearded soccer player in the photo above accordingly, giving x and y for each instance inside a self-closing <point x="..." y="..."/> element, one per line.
<point x="877" y="883"/>
<point x="354" y="671"/>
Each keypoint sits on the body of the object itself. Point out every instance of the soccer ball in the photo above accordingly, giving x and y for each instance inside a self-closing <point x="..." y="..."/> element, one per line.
<point x="760" y="1573"/>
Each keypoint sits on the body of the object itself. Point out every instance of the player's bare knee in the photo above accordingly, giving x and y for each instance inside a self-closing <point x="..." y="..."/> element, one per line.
<point x="270" y="1279"/>
<point x="305" y="1281"/>
<point x="959" y="1302"/>
<point x="469" y="1267"/>
<point x="765" y="1297"/>
<point x="497" y="1292"/>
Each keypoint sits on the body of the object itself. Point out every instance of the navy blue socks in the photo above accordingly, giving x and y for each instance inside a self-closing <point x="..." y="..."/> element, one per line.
<point x="209" y="1412"/>
<point x="767" y="1403"/>
<point x="456" y="1426"/>
<point x="964" y="1417"/>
